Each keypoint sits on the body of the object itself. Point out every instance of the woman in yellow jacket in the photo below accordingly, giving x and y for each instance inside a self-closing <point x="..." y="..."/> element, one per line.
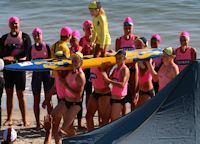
<point x="101" y="37"/>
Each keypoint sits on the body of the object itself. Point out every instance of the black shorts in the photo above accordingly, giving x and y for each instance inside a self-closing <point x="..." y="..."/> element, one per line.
<point x="37" y="79"/>
<point x="98" y="95"/>
<point x="17" y="78"/>
<point x="150" y="93"/>
<point x="121" y="101"/>
<point x="69" y="104"/>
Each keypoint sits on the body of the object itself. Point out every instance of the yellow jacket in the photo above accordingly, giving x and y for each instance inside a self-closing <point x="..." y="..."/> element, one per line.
<point x="101" y="33"/>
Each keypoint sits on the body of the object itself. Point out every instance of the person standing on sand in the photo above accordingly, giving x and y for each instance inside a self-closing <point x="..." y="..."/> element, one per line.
<point x="74" y="41"/>
<point x="119" y="81"/>
<point x="14" y="46"/>
<point x="73" y="82"/>
<point x="87" y="49"/>
<point x="127" y="42"/>
<point x="101" y="37"/>
<point x="185" y="54"/>
<point x="39" y="50"/>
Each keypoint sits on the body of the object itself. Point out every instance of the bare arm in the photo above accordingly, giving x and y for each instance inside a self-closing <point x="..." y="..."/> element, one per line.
<point x="125" y="78"/>
<point x="193" y="54"/>
<point x="117" y="44"/>
<point x="152" y="70"/>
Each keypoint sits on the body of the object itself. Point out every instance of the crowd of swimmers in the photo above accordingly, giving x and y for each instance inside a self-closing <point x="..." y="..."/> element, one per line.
<point x="110" y="91"/>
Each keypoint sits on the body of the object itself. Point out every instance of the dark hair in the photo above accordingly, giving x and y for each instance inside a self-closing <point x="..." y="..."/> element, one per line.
<point x="144" y="40"/>
<point x="98" y="5"/>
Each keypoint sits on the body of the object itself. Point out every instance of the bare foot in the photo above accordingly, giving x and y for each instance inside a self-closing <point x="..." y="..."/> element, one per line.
<point x="8" y="123"/>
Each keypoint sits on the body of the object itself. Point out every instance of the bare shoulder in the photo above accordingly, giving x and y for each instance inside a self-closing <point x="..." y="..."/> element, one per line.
<point x="81" y="77"/>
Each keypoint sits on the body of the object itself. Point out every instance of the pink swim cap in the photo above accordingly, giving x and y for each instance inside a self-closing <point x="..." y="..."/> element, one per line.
<point x="76" y="34"/>
<point x="87" y="23"/>
<point x="128" y="21"/>
<point x="65" y="31"/>
<point x="14" y="19"/>
<point x="186" y="34"/>
<point x="156" y="36"/>
<point x="36" y="30"/>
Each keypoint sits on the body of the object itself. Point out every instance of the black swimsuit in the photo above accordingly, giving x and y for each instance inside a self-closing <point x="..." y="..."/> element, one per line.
<point x="69" y="104"/>
<point x="150" y="93"/>
<point x="98" y="95"/>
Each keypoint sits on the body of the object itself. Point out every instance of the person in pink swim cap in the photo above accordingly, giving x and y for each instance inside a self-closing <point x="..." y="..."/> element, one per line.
<point x="65" y="31"/>
<point x="74" y="41"/>
<point x="61" y="50"/>
<point x="155" y="43"/>
<point x="85" y="40"/>
<point x="39" y="50"/>
<point x="62" y="44"/>
<point x="126" y="41"/>
<point x="87" y="50"/>
<point x="185" y="54"/>
<point x="14" y="46"/>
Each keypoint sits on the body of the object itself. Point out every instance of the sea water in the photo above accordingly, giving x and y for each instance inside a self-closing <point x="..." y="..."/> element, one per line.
<point x="167" y="18"/>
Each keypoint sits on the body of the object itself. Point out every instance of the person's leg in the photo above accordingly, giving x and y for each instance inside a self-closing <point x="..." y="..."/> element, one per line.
<point x="142" y="99"/>
<point x="49" y="104"/>
<point x="22" y="105"/>
<point x="36" y="108"/>
<point x="104" y="108"/>
<point x="9" y="105"/>
<point x="20" y="82"/>
<point x="79" y="117"/>
<point x="36" y="89"/>
<point x="69" y="117"/>
<point x="91" y="109"/>
<point x="9" y="86"/>
<point x="47" y="84"/>
<point x="116" y="111"/>
<point x="57" y="114"/>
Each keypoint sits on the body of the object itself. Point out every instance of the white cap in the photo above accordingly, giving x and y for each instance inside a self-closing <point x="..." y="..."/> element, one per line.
<point x="13" y="134"/>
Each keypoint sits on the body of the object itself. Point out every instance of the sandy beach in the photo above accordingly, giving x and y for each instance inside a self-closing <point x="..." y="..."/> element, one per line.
<point x="29" y="135"/>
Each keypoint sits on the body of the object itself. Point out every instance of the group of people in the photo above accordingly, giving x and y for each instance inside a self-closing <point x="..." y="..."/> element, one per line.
<point x="110" y="91"/>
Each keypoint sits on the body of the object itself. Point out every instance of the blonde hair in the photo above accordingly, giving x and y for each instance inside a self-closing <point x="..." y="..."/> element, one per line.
<point x="102" y="11"/>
